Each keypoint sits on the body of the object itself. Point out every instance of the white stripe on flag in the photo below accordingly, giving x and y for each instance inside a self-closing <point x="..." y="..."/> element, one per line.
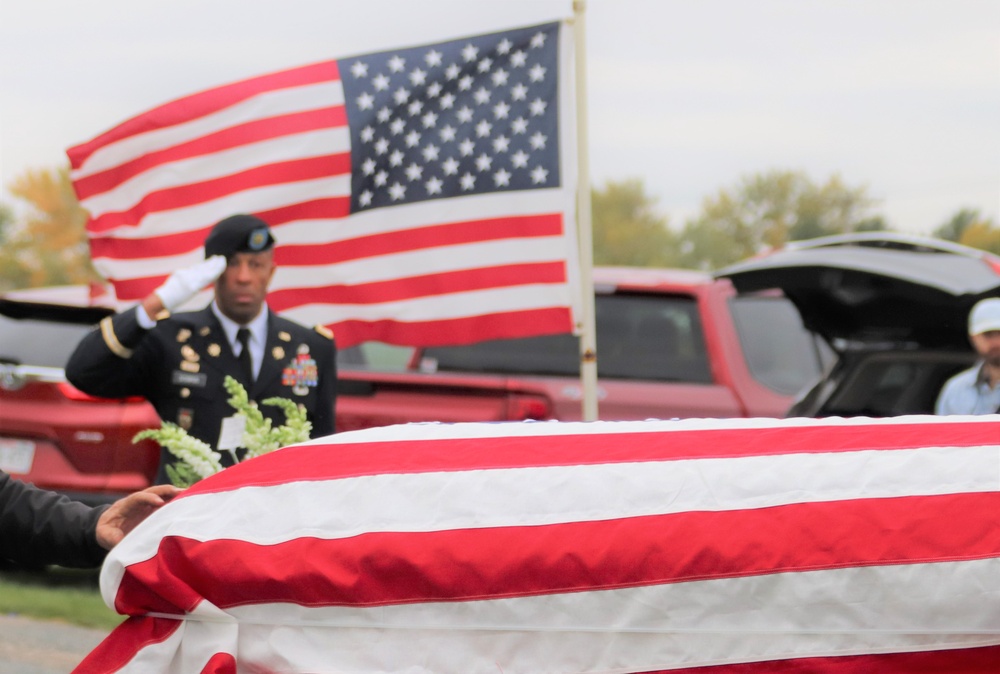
<point x="778" y="616"/>
<point x="269" y="104"/>
<point x="199" y="216"/>
<point x="435" y="260"/>
<point x="561" y="494"/>
<point x="434" y="307"/>
<point x="219" y="164"/>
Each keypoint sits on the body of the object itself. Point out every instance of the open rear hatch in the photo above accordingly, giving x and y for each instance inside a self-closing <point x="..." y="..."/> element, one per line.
<point x="876" y="288"/>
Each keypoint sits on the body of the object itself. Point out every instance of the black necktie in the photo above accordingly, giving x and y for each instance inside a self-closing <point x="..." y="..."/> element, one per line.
<point x="246" y="367"/>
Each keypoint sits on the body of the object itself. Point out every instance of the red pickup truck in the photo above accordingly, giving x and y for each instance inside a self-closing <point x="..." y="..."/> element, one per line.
<point x="670" y="344"/>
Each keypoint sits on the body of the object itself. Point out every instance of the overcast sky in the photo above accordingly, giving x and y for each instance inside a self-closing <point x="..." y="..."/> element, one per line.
<point x="900" y="96"/>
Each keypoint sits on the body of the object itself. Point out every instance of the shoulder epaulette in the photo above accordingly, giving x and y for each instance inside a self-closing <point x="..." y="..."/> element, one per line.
<point x="325" y="331"/>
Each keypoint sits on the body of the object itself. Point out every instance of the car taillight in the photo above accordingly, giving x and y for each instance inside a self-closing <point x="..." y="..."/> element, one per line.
<point x="73" y="393"/>
<point x="523" y="407"/>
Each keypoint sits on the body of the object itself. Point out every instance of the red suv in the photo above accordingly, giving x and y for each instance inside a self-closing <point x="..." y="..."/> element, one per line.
<point x="52" y="434"/>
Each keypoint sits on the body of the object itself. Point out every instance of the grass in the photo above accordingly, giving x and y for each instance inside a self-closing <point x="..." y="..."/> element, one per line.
<point x="56" y="594"/>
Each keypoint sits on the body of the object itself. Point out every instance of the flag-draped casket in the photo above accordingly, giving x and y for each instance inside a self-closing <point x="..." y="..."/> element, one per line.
<point x="831" y="545"/>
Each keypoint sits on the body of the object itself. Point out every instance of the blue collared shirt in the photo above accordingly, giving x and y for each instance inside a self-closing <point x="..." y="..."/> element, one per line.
<point x="968" y="392"/>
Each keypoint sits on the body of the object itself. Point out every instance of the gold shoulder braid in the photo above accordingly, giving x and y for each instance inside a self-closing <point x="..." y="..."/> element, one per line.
<point x="111" y="339"/>
<point x="325" y="331"/>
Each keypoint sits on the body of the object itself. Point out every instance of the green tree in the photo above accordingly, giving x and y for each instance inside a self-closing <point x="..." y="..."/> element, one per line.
<point x="953" y="229"/>
<point x="627" y="229"/>
<point x="6" y="220"/>
<point x="969" y="228"/>
<point x="765" y="210"/>
<point x="48" y="244"/>
<point x="983" y="235"/>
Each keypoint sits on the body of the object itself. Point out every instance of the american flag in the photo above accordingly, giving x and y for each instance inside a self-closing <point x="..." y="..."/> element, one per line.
<point x="709" y="546"/>
<point x="419" y="196"/>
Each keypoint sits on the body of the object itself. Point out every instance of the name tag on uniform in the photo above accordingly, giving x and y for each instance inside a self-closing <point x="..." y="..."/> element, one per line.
<point x="189" y="378"/>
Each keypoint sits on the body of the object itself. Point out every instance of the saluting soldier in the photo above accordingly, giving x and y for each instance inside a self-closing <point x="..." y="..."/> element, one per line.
<point x="179" y="361"/>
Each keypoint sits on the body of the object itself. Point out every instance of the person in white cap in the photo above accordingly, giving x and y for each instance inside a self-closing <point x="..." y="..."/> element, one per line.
<point x="977" y="390"/>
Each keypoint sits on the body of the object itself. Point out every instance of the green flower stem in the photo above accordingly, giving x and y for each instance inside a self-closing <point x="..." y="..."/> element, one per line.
<point x="197" y="460"/>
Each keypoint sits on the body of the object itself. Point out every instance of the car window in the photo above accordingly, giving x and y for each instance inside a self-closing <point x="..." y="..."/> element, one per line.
<point x="780" y="352"/>
<point x="638" y="337"/>
<point x="374" y="355"/>
<point x="37" y="342"/>
<point x="893" y="383"/>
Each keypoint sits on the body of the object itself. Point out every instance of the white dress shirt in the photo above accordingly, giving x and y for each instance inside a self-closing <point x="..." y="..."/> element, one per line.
<point x="258" y="335"/>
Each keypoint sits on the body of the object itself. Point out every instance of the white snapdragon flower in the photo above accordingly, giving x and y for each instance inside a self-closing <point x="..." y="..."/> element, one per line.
<point x="198" y="459"/>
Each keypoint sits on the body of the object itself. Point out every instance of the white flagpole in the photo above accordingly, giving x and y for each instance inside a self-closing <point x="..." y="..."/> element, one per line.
<point x="588" y="337"/>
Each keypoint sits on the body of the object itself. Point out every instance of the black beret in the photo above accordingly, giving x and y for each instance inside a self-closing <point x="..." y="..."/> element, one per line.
<point x="238" y="234"/>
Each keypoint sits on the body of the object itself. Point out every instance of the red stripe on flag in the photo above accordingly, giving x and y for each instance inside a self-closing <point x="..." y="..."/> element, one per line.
<point x="454" y="233"/>
<point x="430" y="285"/>
<point x="417" y="238"/>
<point x="220" y="663"/>
<point x="134" y="249"/>
<point x="205" y="103"/>
<point x="167" y="245"/>
<point x="953" y="661"/>
<point x="384" y="568"/>
<point x="314" y="209"/>
<point x="188" y="195"/>
<point x="235" y="136"/>
<point x="130" y="290"/>
<point x="130" y="637"/>
<point x="467" y="330"/>
<point x="383" y="291"/>
<point x="341" y="460"/>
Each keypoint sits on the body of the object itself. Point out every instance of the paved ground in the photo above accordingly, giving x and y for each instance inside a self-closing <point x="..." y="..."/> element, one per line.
<point x="39" y="647"/>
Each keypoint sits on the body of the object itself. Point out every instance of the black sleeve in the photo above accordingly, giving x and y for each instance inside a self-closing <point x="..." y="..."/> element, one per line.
<point x="323" y="423"/>
<point x="102" y="363"/>
<point x="39" y="527"/>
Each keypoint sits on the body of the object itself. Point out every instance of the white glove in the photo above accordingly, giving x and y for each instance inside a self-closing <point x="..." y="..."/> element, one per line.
<point x="185" y="283"/>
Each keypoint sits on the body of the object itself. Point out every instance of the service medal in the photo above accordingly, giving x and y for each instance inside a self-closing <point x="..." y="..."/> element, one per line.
<point x="301" y="374"/>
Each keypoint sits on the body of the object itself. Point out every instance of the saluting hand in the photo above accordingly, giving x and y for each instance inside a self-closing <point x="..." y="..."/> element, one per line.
<point x="185" y="283"/>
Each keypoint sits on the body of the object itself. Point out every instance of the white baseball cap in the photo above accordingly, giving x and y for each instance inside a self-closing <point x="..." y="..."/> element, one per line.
<point x="985" y="316"/>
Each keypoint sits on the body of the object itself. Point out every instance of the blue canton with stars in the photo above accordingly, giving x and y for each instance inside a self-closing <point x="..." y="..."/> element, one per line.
<point x="470" y="116"/>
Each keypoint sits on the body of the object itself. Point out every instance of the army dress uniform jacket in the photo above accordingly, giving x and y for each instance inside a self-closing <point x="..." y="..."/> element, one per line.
<point x="180" y="364"/>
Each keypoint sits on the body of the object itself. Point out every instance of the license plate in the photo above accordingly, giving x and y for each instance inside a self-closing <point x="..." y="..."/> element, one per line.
<point x="16" y="456"/>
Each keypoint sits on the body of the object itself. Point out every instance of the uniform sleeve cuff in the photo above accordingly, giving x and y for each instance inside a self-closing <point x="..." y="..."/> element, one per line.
<point x="143" y="319"/>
